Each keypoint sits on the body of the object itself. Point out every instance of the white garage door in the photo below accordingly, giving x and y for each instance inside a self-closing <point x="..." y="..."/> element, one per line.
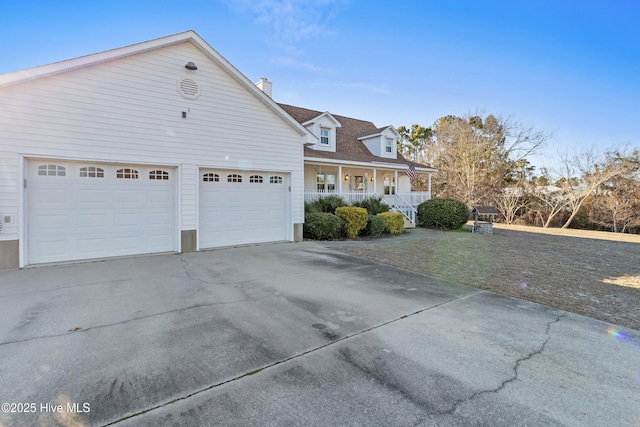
<point x="239" y="207"/>
<point x="89" y="210"/>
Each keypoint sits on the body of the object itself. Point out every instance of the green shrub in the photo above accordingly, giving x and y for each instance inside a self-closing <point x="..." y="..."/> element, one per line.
<point x="322" y="226"/>
<point x="444" y="214"/>
<point x="329" y="204"/>
<point x="375" y="226"/>
<point x="393" y="222"/>
<point x="355" y="219"/>
<point x="373" y="205"/>
<point x="311" y="208"/>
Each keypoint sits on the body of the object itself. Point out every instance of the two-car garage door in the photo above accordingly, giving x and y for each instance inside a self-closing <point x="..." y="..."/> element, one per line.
<point x="80" y="210"/>
<point x="84" y="210"/>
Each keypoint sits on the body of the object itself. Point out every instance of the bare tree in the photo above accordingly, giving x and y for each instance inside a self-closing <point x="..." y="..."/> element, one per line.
<point x="475" y="153"/>
<point x="595" y="169"/>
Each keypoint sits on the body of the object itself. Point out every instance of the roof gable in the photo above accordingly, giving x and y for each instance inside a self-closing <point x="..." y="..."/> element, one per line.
<point x="24" y="76"/>
<point x="349" y="145"/>
<point x="326" y="115"/>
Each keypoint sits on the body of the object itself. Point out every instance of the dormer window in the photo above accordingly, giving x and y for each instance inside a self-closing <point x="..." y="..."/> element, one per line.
<point x="324" y="128"/>
<point x="388" y="146"/>
<point x="324" y="136"/>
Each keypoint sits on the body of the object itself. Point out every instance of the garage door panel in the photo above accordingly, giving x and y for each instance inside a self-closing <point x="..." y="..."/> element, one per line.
<point x="79" y="217"/>
<point x="92" y="246"/>
<point x="92" y="198"/>
<point x="90" y="222"/>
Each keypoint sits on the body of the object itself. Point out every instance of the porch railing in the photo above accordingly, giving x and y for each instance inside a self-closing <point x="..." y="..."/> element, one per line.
<point x="414" y="198"/>
<point x="349" y="197"/>
<point x="405" y="203"/>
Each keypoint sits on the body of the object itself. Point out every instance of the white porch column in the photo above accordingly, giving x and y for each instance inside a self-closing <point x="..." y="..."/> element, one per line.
<point x="339" y="179"/>
<point x="395" y="178"/>
<point x="375" y="180"/>
<point x="430" y="185"/>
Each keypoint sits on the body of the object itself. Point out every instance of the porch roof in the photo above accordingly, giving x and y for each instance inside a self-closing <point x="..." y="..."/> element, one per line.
<point x="348" y="147"/>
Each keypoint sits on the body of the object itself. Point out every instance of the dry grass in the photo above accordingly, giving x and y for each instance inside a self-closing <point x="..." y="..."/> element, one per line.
<point x="595" y="274"/>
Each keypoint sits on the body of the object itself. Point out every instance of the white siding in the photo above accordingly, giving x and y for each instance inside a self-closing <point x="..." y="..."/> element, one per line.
<point x="374" y="145"/>
<point x="129" y="110"/>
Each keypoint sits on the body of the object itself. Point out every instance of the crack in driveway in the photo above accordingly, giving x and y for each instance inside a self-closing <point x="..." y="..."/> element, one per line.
<point x="288" y="359"/>
<point x="516" y="368"/>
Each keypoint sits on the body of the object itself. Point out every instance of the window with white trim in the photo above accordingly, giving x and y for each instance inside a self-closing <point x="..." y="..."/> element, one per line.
<point x="127" y="173"/>
<point x="389" y="185"/>
<point x="275" y="179"/>
<point x="324" y="136"/>
<point x="91" y="172"/>
<point x="210" y="177"/>
<point x="388" y="146"/>
<point x="326" y="182"/>
<point x="52" y="170"/>
<point x="255" y="179"/>
<point x="234" y="178"/>
<point x="159" y="175"/>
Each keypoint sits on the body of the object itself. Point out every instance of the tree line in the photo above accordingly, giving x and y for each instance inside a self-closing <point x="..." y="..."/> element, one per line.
<point x="482" y="159"/>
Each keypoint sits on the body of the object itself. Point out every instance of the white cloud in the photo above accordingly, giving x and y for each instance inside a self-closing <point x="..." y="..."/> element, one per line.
<point x="291" y="21"/>
<point x="367" y="87"/>
<point x="289" y="62"/>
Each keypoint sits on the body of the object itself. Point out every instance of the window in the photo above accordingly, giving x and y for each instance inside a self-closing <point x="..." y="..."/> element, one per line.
<point x="326" y="182"/>
<point x="324" y="136"/>
<point x="159" y="175"/>
<point x="255" y="179"/>
<point x="91" y="172"/>
<point x="234" y="178"/>
<point x="127" y="173"/>
<point x="52" y="170"/>
<point x="211" y="177"/>
<point x="388" y="146"/>
<point x="275" y="180"/>
<point x="389" y="185"/>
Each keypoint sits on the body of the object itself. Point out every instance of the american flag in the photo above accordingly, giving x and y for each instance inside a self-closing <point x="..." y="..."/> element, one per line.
<point x="411" y="172"/>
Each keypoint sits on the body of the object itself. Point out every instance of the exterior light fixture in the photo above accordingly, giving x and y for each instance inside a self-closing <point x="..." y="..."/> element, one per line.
<point x="190" y="66"/>
<point x="371" y="179"/>
<point x="346" y="177"/>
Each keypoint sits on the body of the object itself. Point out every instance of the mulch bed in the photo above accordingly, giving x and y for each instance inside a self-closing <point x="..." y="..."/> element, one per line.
<point x="572" y="271"/>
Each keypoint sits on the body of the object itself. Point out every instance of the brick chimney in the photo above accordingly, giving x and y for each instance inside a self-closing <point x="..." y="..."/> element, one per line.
<point x="265" y="86"/>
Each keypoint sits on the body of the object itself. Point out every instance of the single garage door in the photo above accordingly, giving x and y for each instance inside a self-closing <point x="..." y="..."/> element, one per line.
<point x="239" y="207"/>
<point x="89" y="210"/>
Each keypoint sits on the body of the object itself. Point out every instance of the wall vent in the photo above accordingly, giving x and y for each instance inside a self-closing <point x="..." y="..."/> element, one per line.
<point x="189" y="88"/>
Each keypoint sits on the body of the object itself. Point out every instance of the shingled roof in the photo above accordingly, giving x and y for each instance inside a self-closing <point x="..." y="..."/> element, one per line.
<point x="348" y="147"/>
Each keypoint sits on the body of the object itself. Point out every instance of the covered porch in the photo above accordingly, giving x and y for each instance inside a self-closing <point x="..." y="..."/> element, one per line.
<point x="354" y="183"/>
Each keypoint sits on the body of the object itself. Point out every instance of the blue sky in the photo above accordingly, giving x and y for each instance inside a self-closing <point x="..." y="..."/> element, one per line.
<point x="568" y="67"/>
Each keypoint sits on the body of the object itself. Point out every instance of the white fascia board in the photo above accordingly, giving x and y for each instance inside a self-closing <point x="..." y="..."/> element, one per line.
<point x="373" y="135"/>
<point x="327" y="114"/>
<point x="398" y="166"/>
<point x="92" y="59"/>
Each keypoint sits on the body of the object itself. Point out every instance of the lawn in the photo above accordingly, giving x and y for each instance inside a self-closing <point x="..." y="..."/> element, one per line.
<point x="596" y="274"/>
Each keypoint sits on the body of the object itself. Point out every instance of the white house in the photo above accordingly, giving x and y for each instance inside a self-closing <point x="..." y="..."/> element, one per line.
<point x="355" y="160"/>
<point x="162" y="146"/>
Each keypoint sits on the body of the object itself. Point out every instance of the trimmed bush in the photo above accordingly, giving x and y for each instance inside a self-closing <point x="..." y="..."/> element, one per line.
<point x="393" y="222"/>
<point x="329" y="204"/>
<point x="322" y="226"/>
<point x="375" y="226"/>
<point x="311" y="208"/>
<point x="355" y="219"/>
<point x="373" y="205"/>
<point x="443" y="214"/>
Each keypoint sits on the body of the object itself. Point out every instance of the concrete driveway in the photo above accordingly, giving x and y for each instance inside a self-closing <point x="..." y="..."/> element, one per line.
<point x="297" y="334"/>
